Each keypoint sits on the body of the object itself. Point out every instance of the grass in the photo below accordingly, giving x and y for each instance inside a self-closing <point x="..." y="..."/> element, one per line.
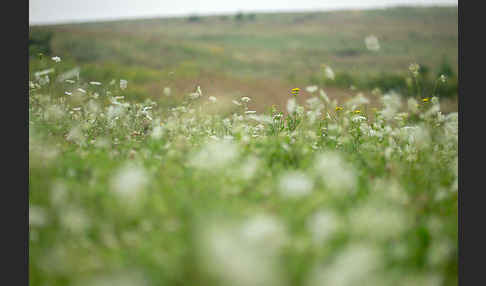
<point x="137" y="191"/>
<point x="286" y="49"/>
<point x="229" y="179"/>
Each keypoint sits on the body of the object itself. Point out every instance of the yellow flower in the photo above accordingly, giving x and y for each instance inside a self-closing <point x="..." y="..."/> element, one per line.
<point x="357" y="111"/>
<point x="295" y="91"/>
<point x="339" y="108"/>
<point x="426" y="99"/>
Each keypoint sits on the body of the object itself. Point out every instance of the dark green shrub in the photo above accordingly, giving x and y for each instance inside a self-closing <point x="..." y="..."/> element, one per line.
<point x="40" y="42"/>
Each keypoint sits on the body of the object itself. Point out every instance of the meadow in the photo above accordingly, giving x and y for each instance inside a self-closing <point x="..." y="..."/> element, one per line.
<point x="158" y="157"/>
<point x="265" y="54"/>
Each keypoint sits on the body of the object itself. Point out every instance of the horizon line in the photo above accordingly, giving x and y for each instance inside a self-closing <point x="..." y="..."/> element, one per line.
<point x="228" y="13"/>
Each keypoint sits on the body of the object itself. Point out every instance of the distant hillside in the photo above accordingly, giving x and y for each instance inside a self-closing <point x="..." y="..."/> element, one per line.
<point x="247" y="50"/>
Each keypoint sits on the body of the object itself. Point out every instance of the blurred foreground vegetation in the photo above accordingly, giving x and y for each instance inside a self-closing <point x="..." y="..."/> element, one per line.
<point x="209" y="192"/>
<point x="174" y="152"/>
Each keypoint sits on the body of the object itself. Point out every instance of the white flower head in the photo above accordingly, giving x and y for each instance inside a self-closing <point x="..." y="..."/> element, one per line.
<point x="129" y="181"/>
<point x="291" y="105"/>
<point x="372" y="43"/>
<point x="74" y="219"/>
<point x="322" y="225"/>
<point x="294" y="184"/>
<point x="123" y="84"/>
<point x="212" y="99"/>
<point x="443" y="78"/>
<point x="251" y="242"/>
<point x="157" y="132"/>
<point x="215" y="155"/>
<point x="311" y="88"/>
<point x="392" y="102"/>
<point x="329" y="73"/>
<point x="167" y="91"/>
<point x="56" y="59"/>
<point x="245" y="99"/>
<point x="336" y="173"/>
<point x="413" y="105"/>
<point x="37" y="216"/>
<point x="324" y="96"/>
<point x="76" y="135"/>
<point x="353" y="266"/>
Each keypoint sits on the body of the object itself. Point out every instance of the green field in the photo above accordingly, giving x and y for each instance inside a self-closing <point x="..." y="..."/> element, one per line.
<point x="263" y="56"/>
<point x="211" y="184"/>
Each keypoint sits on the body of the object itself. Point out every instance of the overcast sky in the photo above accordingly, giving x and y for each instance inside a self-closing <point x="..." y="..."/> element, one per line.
<point x="64" y="11"/>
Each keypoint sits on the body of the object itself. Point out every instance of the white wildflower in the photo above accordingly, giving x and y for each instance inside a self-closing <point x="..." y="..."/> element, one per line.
<point x="356" y="101"/>
<point x="324" y="96"/>
<point x="372" y="43"/>
<point x="245" y="99"/>
<point x="443" y="78"/>
<point x="329" y="73"/>
<point x="291" y="105"/>
<point x="212" y="99"/>
<point x="95" y="83"/>
<point x="58" y="194"/>
<point x="294" y="184"/>
<point x="44" y="80"/>
<point x="311" y="88"/>
<point x="322" y="225"/>
<point x="68" y="75"/>
<point x="41" y="73"/>
<point x="129" y="181"/>
<point x="215" y="155"/>
<point x="414" y="68"/>
<point x="167" y="91"/>
<point x="56" y="59"/>
<point x="37" y="216"/>
<point x="352" y="266"/>
<point x="250" y="242"/>
<point x="377" y="221"/>
<point x="123" y="84"/>
<point x="413" y="105"/>
<point x="54" y="112"/>
<point x="358" y="118"/>
<point x="74" y="219"/>
<point x="76" y="135"/>
<point x="335" y="172"/>
<point x="157" y="132"/>
<point x="392" y="102"/>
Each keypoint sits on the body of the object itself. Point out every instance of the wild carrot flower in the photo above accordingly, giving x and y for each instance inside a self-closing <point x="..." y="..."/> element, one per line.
<point x="414" y="69"/>
<point x="56" y="59"/>
<point x="123" y="84"/>
<point x="372" y="43"/>
<point x="167" y="91"/>
<point x="245" y="99"/>
<point x="312" y="88"/>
